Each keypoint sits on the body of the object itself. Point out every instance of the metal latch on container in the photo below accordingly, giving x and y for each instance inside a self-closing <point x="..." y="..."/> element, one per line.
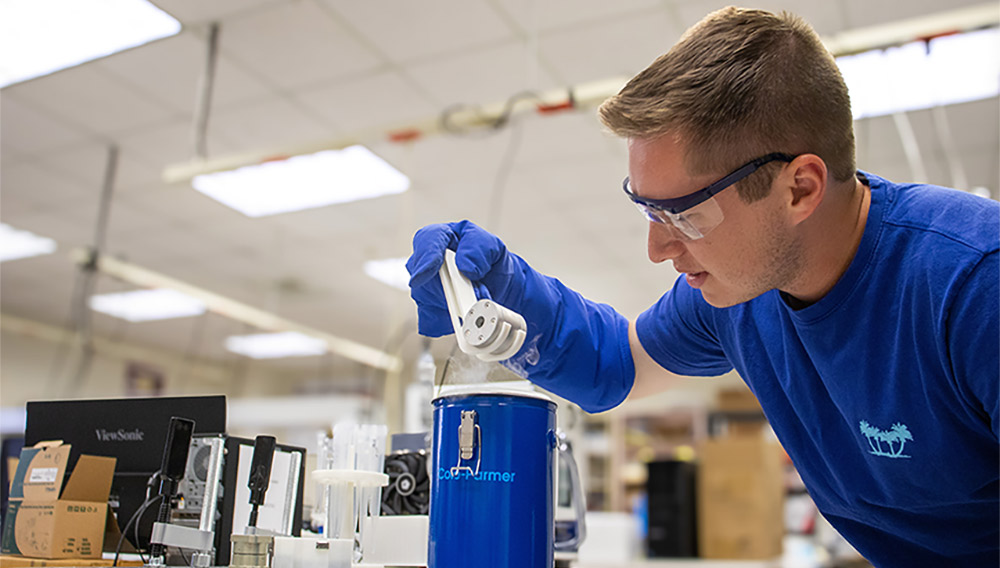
<point x="469" y="436"/>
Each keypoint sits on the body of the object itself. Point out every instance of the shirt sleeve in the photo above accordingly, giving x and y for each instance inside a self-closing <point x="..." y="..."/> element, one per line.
<point x="973" y="339"/>
<point x="679" y="333"/>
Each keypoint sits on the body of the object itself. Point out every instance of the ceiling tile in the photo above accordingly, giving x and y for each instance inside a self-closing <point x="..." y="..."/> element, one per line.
<point x="567" y="136"/>
<point x="381" y="100"/>
<point x="15" y="205"/>
<point x="447" y="157"/>
<point x="171" y="143"/>
<point x="199" y="12"/>
<point x="481" y="76"/>
<point x="90" y="98"/>
<point x="27" y="130"/>
<point x="129" y="225"/>
<point x="86" y="164"/>
<point x="533" y="16"/>
<point x="178" y="203"/>
<point x="41" y="187"/>
<point x="163" y="245"/>
<point x="170" y="71"/>
<point x="619" y="47"/>
<point x="406" y="31"/>
<point x="268" y="125"/>
<point x="38" y="288"/>
<point x="70" y="226"/>
<point x="294" y="44"/>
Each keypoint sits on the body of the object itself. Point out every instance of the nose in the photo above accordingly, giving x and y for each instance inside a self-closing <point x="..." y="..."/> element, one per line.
<point x="664" y="242"/>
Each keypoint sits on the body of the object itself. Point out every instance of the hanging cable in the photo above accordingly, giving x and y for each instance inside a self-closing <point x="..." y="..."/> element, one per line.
<point x="492" y="126"/>
<point x="88" y="275"/>
<point x="205" y="85"/>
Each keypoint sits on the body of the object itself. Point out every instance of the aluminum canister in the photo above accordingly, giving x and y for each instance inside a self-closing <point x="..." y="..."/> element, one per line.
<point x="492" y="501"/>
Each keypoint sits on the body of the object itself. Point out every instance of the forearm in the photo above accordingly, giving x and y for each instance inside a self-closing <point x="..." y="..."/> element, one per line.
<point x="650" y="377"/>
<point x="583" y="348"/>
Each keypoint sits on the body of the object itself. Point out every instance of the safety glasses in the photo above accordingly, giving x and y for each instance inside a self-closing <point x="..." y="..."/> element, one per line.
<point x="695" y="214"/>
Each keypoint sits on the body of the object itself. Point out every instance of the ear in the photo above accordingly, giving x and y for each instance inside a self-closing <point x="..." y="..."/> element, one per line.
<point x="805" y="181"/>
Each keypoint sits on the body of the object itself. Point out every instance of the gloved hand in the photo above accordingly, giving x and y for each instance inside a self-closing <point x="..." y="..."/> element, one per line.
<point x="582" y="347"/>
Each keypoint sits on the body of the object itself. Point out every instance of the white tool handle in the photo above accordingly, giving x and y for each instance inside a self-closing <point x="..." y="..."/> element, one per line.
<point x="483" y="328"/>
<point x="459" y="295"/>
<point x="465" y="296"/>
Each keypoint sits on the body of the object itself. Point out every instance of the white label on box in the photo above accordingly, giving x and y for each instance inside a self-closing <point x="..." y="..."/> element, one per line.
<point x="43" y="475"/>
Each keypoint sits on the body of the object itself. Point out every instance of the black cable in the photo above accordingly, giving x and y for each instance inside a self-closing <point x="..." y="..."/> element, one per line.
<point x="163" y="516"/>
<point x="135" y="533"/>
<point x="135" y="518"/>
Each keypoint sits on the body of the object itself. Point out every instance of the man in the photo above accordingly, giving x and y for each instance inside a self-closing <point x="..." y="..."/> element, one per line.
<point x="862" y="313"/>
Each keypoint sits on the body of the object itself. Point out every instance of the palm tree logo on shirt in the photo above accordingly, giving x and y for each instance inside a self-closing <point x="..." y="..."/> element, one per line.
<point x="894" y="440"/>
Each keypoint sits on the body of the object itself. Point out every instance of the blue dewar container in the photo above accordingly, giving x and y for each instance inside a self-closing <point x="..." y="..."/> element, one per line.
<point x="492" y="502"/>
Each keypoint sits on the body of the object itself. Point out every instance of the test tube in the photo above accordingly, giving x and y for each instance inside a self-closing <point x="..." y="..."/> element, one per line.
<point x="340" y="502"/>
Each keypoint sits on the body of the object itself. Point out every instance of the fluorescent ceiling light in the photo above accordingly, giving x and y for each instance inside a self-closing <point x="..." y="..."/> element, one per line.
<point x="304" y="182"/>
<point x="38" y="37"/>
<point x="947" y="70"/>
<point x="16" y="244"/>
<point x="391" y="271"/>
<point x="276" y="345"/>
<point x="147" y="305"/>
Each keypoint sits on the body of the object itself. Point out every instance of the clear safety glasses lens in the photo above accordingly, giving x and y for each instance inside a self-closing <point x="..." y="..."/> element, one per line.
<point x="693" y="223"/>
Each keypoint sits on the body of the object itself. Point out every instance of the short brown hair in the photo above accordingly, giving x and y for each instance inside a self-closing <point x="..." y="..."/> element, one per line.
<point x="737" y="85"/>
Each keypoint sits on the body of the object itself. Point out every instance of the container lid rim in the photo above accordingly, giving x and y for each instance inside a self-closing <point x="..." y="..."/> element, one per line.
<point x="507" y="388"/>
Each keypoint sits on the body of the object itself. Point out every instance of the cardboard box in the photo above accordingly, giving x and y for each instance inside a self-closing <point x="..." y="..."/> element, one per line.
<point x="43" y="519"/>
<point x="737" y="400"/>
<point x="22" y="562"/>
<point x="740" y="499"/>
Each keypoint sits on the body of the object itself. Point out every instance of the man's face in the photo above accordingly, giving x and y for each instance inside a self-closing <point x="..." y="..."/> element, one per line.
<point x="751" y="251"/>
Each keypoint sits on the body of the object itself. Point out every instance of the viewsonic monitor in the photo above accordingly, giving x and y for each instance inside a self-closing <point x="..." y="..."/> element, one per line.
<point x="132" y="430"/>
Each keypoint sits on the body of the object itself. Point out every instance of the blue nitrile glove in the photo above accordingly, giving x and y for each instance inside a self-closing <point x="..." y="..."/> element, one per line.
<point x="582" y="347"/>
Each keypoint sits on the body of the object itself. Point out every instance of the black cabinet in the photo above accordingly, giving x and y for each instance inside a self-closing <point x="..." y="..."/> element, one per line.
<point x="672" y="523"/>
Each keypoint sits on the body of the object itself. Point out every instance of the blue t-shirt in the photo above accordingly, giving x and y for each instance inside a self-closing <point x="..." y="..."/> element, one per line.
<point x="884" y="392"/>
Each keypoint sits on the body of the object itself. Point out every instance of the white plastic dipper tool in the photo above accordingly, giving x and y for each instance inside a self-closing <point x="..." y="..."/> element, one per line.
<point x="483" y="328"/>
